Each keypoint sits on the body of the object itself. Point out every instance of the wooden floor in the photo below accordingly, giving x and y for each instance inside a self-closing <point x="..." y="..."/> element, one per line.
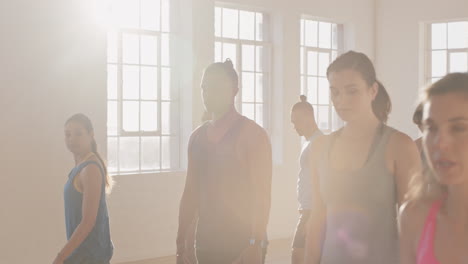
<point x="278" y="253"/>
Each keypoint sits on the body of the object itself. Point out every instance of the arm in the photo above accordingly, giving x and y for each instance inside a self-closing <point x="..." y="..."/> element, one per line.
<point x="259" y="158"/>
<point x="188" y="209"/>
<point x="316" y="224"/>
<point x="91" y="181"/>
<point x="260" y="163"/>
<point x="407" y="162"/>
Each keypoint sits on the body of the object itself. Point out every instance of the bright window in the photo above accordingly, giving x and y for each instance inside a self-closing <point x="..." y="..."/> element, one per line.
<point x="141" y="112"/>
<point x="242" y="36"/>
<point x="448" y="49"/>
<point x="320" y="45"/>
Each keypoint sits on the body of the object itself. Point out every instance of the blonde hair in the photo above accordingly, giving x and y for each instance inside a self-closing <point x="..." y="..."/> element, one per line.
<point x="425" y="185"/>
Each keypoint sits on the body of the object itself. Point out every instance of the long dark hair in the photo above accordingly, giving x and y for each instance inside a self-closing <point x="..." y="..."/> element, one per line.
<point x="86" y="123"/>
<point x="359" y="62"/>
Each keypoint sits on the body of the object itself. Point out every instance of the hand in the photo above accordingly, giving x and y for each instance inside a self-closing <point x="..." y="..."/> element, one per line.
<point x="251" y="255"/>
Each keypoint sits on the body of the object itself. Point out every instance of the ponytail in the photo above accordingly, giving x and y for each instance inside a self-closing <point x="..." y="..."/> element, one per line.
<point x="359" y="62"/>
<point x="381" y="106"/>
<point x="86" y="122"/>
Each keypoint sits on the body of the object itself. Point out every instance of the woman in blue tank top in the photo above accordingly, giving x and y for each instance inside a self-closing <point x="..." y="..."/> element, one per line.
<point x="86" y="216"/>
<point x="359" y="173"/>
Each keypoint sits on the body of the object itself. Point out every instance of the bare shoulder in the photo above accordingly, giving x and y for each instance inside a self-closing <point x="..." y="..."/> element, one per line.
<point x="319" y="145"/>
<point x="412" y="217"/>
<point x="415" y="209"/>
<point x="254" y="133"/>
<point x="91" y="174"/>
<point x="399" y="139"/>
<point x="401" y="145"/>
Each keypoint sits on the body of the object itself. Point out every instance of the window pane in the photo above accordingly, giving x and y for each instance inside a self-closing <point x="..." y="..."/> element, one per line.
<point x="439" y="63"/>
<point x="259" y="58"/>
<point x="247" y="25"/>
<point x="302" y="32"/>
<point x="248" y="110"/>
<point x="149" y="83"/>
<point x="229" y="52"/>
<point x="334" y="55"/>
<point x="112" y="117"/>
<point x="457" y="35"/>
<point x="165" y="21"/>
<point x="166" y="118"/>
<point x="112" y="154"/>
<point x="259" y="27"/>
<point x="334" y="36"/>
<point x="312" y="59"/>
<point x="125" y="13"/>
<point x="149" y="116"/>
<point x="150" y="14"/>
<point x="324" y="35"/>
<point x="248" y="57"/>
<point x="111" y="81"/>
<point x="259" y="114"/>
<point x="439" y="36"/>
<point x="312" y="90"/>
<point x="259" y="88"/>
<point x="131" y="82"/>
<point x="303" y="88"/>
<point x="324" y="62"/>
<point x="166" y="153"/>
<point x="323" y="113"/>
<point x="149" y="50"/>
<point x="302" y="61"/>
<point x="130" y="114"/>
<point x="150" y="152"/>
<point x="324" y="91"/>
<point x="311" y="33"/>
<point x="458" y="61"/>
<point x="112" y="46"/>
<point x="165" y="50"/>
<point x="130" y="48"/>
<point x="166" y="83"/>
<point x="230" y="23"/>
<point x="248" y="89"/>
<point x="129" y="154"/>
<point x="218" y="56"/>
<point x="217" y="21"/>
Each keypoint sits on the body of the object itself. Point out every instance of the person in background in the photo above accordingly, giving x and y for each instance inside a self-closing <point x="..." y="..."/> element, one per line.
<point x="86" y="216"/>
<point x="303" y="119"/>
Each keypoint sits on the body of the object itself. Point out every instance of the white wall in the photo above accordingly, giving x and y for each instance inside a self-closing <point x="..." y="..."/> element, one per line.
<point x="399" y="49"/>
<point x="53" y="65"/>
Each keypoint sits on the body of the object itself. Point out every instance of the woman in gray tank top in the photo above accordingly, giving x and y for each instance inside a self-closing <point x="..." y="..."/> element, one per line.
<point x="359" y="173"/>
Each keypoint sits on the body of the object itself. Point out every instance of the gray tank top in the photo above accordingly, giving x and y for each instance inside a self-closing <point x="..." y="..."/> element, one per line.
<point x="361" y="224"/>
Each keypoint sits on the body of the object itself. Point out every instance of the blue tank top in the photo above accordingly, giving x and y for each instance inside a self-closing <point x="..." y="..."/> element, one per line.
<point x="98" y="245"/>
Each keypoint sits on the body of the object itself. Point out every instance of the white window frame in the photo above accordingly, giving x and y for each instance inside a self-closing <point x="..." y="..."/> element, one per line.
<point x="334" y="122"/>
<point x="174" y="133"/>
<point x="266" y="60"/>
<point x="428" y="76"/>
